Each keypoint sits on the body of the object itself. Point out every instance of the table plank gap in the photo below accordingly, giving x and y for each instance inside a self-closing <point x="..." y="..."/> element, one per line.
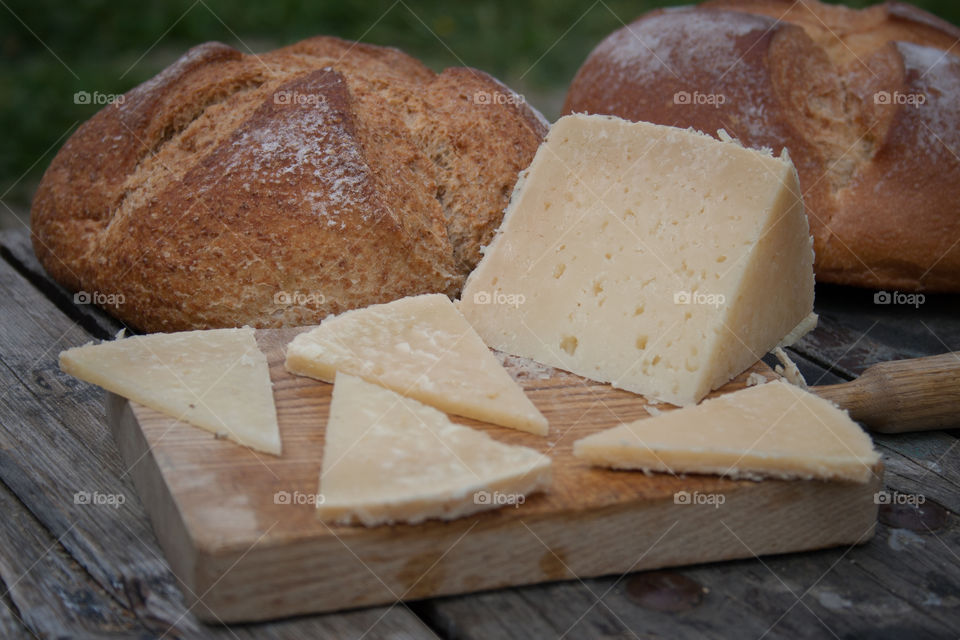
<point x="11" y="623"/>
<point x="54" y="444"/>
<point x="532" y="611"/>
<point x="55" y="596"/>
<point x="16" y="249"/>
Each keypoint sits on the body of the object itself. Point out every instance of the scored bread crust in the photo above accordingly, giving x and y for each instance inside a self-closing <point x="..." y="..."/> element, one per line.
<point x="276" y="189"/>
<point x="880" y="179"/>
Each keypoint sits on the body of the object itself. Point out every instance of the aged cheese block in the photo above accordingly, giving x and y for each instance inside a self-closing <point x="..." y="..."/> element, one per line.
<point x="217" y="380"/>
<point x="770" y="430"/>
<point x="423" y="348"/>
<point x="657" y="259"/>
<point x="387" y="458"/>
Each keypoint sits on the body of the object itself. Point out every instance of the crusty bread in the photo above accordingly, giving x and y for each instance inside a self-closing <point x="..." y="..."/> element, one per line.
<point x="839" y="89"/>
<point x="276" y="189"/>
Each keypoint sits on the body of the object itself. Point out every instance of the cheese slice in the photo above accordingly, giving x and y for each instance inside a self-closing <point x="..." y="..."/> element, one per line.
<point x="388" y="458"/>
<point x="217" y="380"/>
<point x="657" y="259"/>
<point x="423" y="348"/>
<point x="770" y="430"/>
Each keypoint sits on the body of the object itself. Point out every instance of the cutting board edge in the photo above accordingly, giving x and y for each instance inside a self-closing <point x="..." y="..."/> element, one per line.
<point x="848" y="521"/>
<point x="220" y="574"/>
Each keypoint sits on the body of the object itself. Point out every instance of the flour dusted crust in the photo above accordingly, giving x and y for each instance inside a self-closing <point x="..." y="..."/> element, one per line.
<point x="880" y="180"/>
<point x="277" y="189"/>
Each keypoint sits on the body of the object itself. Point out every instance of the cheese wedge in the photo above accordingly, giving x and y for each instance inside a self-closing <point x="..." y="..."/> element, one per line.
<point x="217" y="380"/>
<point x="657" y="259"/>
<point x="770" y="430"/>
<point x="388" y="458"/>
<point x="423" y="348"/>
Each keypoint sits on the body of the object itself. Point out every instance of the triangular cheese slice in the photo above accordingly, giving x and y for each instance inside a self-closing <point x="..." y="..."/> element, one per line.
<point x="389" y="459"/>
<point x="217" y="380"/>
<point x="771" y="430"/>
<point x="423" y="348"/>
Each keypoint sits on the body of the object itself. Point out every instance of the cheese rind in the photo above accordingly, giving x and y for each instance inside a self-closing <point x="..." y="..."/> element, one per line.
<point x="423" y="348"/>
<point x="217" y="380"/>
<point x="389" y="459"/>
<point x="657" y="259"/>
<point x="770" y="430"/>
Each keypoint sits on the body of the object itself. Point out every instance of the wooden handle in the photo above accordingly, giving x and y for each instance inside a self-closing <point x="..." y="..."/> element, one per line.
<point x="903" y="395"/>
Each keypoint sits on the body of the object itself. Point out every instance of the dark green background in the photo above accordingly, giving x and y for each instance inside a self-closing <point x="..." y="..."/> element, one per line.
<point x="110" y="46"/>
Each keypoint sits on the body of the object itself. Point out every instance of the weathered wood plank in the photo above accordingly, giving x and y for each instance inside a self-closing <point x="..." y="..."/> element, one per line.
<point x="855" y="333"/>
<point x="923" y="463"/>
<point x="897" y="333"/>
<point x="917" y="560"/>
<point x="861" y="592"/>
<point x="15" y="248"/>
<point x="54" y="444"/>
<point x="55" y="596"/>
<point x="788" y="597"/>
<point x="11" y="625"/>
<point x="46" y="465"/>
<point x="865" y="591"/>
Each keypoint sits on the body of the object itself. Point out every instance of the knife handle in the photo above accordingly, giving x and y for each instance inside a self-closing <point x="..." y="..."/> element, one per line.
<point x="900" y="396"/>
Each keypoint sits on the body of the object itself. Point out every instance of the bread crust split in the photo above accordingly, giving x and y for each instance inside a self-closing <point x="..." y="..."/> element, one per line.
<point x="276" y="189"/>
<point x="867" y="102"/>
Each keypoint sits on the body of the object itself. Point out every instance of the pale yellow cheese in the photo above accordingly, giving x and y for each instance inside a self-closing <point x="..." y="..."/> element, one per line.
<point x="387" y="458"/>
<point x="770" y="430"/>
<point x="657" y="259"/>
<point x="217" y="380"/>
<point x="420" y="347"/>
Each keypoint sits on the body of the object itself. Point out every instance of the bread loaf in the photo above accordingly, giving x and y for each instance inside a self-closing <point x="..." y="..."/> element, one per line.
<point x="276" y="189"/>
<point x="867" y="103"/>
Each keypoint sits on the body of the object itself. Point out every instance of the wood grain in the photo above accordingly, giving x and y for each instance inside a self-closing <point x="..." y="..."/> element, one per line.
<point x="822" y="594"/>
<point x="54" y="443"/>
<point x="213" y="507"/>
<point x="900" y="583"/>
<point x="16" y="248"/>
<point x="41" y="568"/>
<point x="854" y="333"/>
<point x="11" y="625"/>
<point x="874" y="588"/>
<point x="899" y="396"/>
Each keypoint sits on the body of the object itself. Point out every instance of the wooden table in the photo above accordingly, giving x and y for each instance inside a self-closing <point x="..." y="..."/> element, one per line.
<point x="94" y="570"/>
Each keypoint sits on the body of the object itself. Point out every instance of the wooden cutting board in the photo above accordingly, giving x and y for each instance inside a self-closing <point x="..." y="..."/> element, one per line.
<point x="239" y="531"/>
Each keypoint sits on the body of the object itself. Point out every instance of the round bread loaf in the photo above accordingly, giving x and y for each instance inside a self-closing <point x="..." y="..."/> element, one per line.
<point x="276" y="189"/>
<point x="866" y="102"/>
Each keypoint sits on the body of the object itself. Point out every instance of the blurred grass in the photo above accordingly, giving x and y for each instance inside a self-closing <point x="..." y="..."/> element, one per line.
<point x="50" y="49"/>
